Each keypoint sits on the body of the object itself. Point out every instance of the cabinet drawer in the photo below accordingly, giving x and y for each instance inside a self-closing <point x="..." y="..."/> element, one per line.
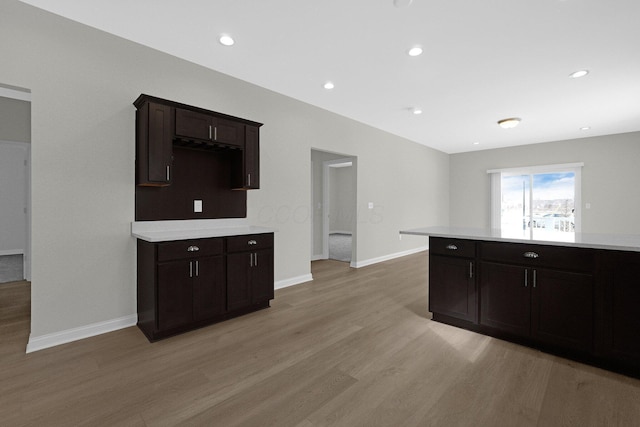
<point x="249" y="242"/>
<point x="189" y="248"/>
<point x="452" y="247"/>
<point x="572" y="259"/>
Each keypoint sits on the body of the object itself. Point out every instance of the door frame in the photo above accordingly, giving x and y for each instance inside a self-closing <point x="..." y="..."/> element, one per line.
<point x="326" y="191"/>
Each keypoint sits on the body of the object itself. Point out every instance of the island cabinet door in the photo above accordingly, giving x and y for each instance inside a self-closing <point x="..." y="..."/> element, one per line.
<point x="505" y="298"/>
<point x="452" y="287"/>
<point x="562" y="309"/>
<point x="175" y="294"/>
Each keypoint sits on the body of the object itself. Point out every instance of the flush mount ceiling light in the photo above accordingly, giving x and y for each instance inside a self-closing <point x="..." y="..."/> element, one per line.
<point x="415" y="51"/>
<point x="329" y="85"/>
<point x="402" y="3"/>
<point x="226" y="40"/>
<point x="578" y="74"/>
<point x="509" y="123"/>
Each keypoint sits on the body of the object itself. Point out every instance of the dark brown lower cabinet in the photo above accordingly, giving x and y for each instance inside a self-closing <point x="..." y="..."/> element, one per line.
<point x="548" y="306"/>
<point x="452" y="287"/>
<point x="620" y="308"/>
<point x="577" y="302"/>
<point x="187" y="284"/>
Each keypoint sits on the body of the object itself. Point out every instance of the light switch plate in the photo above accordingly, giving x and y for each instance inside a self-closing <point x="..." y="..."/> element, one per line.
<point x="370" y="205"/>
<point x="197" y="206"/>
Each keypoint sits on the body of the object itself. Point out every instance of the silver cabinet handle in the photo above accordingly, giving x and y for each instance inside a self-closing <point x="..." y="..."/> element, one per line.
<point x="209" y="131"/>
<point x="167" y="172"/>
<point x="534" y="278"/>
<point x="526" y="278"/>
<point x="530" y="255"/>
<point x="256" y="258"/>
<point x="252" y="242"/>
<point x="470" y="270"/>
<point x="193" y="249"/>
<point x="250" y="260"/>
<point x="215" y="133"/>
<point x="452" y="247"/>
<point x="190" y="269"/>
<point x="248" y="180"/>
<point x="197" y="268"/>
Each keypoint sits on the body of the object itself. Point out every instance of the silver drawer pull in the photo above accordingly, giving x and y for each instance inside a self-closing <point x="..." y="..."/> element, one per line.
<point x="530" y="255"/>
<point x="193" y="249"/>
<point x="252" y="242"/>
<point x="452" y="247"/>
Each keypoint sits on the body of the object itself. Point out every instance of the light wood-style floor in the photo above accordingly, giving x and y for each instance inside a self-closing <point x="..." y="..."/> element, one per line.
<point x="352" y="348"/>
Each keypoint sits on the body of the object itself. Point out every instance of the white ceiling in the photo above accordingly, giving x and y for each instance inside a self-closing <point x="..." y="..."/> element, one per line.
<point x="483" y="60"/>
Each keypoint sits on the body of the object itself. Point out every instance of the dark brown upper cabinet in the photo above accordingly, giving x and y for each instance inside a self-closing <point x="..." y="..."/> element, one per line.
<point x="154" y="149"/>
<point x="246" y="172"/>
<point x="163" y="124"/>
<point x="205" y="127"/>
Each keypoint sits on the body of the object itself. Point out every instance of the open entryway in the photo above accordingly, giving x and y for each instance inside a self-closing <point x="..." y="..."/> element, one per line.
<point x="334" y="206"/>
<point x="15" y="159"/>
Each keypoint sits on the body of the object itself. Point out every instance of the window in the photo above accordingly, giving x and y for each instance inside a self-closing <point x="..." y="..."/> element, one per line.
<point x="540" y="202"/>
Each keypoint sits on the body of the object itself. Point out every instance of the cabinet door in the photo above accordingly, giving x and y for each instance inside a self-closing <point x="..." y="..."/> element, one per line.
<point x="505" y="301"/>
<point x="154" y="145"/>
<point x="261" y="277"/>
<point x="252" y="158"/>
<point x="228" y="132"/>
<point x="209" y="287"/>
<point x="175" y="294"/>
<point x="452" y="289"/>
<point x="191" y="124"/>
<point x="562" y="308"/>
<point x="238" y="270"/>
<point x="621" y="307"/>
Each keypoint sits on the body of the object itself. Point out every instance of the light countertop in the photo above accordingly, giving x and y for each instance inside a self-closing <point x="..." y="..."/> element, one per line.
<point x="164" y="231"/>
<point x="620" y="242"/>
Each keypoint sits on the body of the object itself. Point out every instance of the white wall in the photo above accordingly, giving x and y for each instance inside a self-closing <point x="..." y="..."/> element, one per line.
<point x="83" y="83"/>
<point x="610" y="178"/>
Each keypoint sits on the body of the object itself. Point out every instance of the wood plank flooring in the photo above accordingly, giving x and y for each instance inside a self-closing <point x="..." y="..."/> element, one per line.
<point x="355" y="347"/>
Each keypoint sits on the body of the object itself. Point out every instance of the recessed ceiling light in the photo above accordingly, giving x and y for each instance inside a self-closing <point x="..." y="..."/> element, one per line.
<point x="402" y="3"/>
<point x="509" y="123"/>
<point x="476" y="143"/>
<point x="416" y="110"/>
<point x="226" y="40"/>
<point x="578" y="74"/>
<point x="329" y="85"/>
<point x="585" y="128"/>
<point x="415" y="51"/>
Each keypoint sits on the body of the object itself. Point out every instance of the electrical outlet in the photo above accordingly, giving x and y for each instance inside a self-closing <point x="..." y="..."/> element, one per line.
<point x="370" y="205"/>
<point x="197" y="206"/>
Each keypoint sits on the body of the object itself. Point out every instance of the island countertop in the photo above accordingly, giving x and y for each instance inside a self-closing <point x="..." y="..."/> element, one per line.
<point x="165" y="231"/>
<point x="619" y="242"/>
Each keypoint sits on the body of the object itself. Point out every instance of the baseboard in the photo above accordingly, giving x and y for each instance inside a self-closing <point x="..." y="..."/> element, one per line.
<point x="317" y="257"/>
<point x="293" y="281"/>
<point x="366" y="262"/>
<point x="75" y="334"/>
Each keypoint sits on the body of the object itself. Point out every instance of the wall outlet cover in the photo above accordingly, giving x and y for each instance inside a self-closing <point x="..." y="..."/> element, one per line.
<point x="197" y="205"/>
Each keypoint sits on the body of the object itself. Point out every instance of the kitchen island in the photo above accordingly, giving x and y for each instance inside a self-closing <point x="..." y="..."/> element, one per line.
<point x="577" y="298"/>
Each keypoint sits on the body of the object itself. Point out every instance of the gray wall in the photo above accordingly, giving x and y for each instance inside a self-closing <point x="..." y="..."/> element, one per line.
<point x="342" y="196"/>
<point x="15" y="120"/>
<point x="83" y="83"/>
<point x="610" y="178"/>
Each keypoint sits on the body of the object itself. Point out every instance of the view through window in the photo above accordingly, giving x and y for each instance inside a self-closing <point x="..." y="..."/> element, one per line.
<point x="538" y="205"/>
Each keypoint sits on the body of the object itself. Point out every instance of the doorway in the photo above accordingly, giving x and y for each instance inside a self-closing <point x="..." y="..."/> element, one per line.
<point x="15" y="197"/>
<point x="334" y="203"/>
